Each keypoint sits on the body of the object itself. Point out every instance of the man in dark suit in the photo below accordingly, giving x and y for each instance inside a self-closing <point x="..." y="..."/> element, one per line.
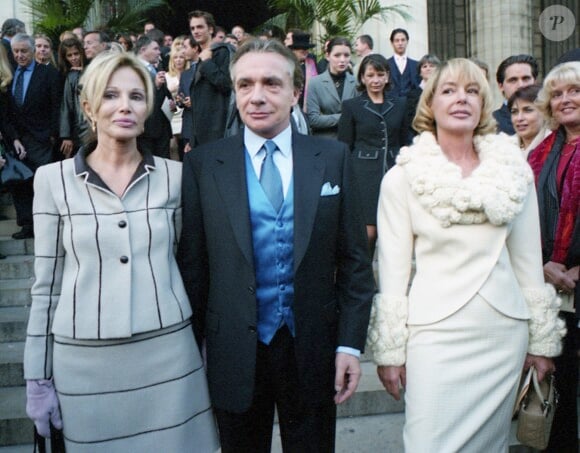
<point x="274" y="257"/>
<point x="211" y="87"/>
<point x="157" y="131"/>
<point x="404" y="70"/>
<point x="34" y="106"/>
<point x="514" y="72"/>
<point x="191" y="50"/>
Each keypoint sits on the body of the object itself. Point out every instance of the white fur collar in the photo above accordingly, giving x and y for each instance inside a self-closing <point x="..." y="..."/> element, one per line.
<point x="495" y="191"/>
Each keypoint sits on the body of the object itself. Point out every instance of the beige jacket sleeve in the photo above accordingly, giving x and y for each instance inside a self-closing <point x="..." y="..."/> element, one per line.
<point x="387" y="335"/>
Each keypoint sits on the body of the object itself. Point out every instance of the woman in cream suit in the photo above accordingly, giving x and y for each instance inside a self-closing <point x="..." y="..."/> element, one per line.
<point x="327" y="91"/>
<point x="109" y="337"/>
<point x="461" y="199"/>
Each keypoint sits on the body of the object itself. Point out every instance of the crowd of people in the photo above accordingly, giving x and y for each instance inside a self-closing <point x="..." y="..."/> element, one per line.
<point x="177" y="305"/>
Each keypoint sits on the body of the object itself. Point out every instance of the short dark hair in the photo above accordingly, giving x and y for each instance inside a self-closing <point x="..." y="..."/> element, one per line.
<point x="428" y="58"/>
<point x="208" y="17"/>
<point x="270" y="46"/>
<point x="378" y="63"/>
<point x="337" y="41"/>
<point x="10" y="27"/>
<point x="103" y="37"/>
<point x="528" y="93"/>
<point x="366" y="39"/>
<point x="142" y="42"/>
<point x="192" y="42"/>
<point x="399" y="30"/>
<point x="516" y="59"/>
<point x="156" y="35"/>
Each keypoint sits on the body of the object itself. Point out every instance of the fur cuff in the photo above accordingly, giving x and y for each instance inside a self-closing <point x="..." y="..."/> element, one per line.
<point x="388" y="333"/>
<point x="546" y="328"/>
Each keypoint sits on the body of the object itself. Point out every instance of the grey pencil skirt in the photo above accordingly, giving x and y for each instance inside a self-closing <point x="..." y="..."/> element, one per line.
<point x="143" y="394"/>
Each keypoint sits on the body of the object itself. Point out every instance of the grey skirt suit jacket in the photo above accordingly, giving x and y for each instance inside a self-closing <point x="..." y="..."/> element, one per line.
<point x="105" y="265"/>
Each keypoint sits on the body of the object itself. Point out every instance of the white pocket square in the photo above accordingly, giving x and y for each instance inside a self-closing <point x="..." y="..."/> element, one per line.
<point x="327" y="190"/>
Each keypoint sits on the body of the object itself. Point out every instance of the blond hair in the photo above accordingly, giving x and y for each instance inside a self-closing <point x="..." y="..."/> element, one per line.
<point x="567" y="73"/>
<point x="176" y="47"/>
<point x="5" y="71"/>
<point x="461" y="70"/>
<point x="96" y="77"/>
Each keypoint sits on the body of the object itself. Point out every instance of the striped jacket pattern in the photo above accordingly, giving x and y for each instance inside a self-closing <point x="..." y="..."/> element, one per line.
<point x="105" y="265"/>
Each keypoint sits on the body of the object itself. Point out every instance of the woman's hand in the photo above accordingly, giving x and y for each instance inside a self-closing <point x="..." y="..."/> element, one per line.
<point x="543" y="365"/>
<point x="42" y="405"/>
<point x="66" y="147"/>
<point x="393" y="378"/>
<point x="2" y="162"/>
<point x="556" y="274"/>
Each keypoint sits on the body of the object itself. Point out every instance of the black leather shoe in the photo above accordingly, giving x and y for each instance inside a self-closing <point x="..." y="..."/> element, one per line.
<point x="24" y="233"/>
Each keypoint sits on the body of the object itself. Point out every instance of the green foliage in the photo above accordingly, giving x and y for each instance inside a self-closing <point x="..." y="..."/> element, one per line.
<point x="52" y="17"/>
<point x="337" y="17"/>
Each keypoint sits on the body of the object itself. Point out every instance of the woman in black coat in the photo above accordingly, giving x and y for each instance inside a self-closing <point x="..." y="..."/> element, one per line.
<point x="374" y="126"/>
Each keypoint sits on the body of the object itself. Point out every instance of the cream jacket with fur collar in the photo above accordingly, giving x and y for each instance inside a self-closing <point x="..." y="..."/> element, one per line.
<point x="473" y="235"/>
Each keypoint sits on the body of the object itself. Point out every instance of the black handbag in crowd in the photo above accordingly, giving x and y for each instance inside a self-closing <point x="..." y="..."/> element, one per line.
<point x="14" y="170"/>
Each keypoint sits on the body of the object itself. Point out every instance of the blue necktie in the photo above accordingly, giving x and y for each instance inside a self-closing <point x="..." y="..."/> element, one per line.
<point x="19" y="87"/>
<point x="270" y="176"/>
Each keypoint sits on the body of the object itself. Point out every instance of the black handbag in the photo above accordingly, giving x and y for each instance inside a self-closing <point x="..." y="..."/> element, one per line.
<point x="14" y="170"/>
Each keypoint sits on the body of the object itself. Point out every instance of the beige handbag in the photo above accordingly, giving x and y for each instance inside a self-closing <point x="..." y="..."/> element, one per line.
<point x="536" y="405"/>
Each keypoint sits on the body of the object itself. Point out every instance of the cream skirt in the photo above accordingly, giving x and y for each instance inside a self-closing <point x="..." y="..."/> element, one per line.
<point x="462" y="378"/>
<point x="144" y="394"/>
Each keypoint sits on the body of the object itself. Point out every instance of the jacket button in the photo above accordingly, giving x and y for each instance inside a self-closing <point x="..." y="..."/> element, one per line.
<point x="124" y="259"/>
<point x="122" y="224"/>
<point x="251" y="289"/>
<point x="252" y="329"/>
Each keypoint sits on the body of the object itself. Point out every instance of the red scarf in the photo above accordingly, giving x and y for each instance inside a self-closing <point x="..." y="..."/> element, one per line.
<point x="569" y="196"/>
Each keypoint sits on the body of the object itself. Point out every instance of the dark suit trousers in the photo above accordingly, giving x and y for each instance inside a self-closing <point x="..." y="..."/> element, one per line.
<point x="304" y="427"/>
<point x="37" y="154"/>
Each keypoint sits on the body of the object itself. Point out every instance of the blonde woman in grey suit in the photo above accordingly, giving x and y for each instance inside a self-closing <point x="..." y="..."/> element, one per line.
<point x="327" y="91"/>
<point x="110" y="346"/>
<point x="462" y="200"/>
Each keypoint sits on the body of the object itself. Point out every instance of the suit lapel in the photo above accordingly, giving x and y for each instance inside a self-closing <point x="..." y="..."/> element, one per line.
<point x="330" y="88"/>
<point x="34" y="81"/>
<point x="308" y="173"/>
<point x="230" y="178"/>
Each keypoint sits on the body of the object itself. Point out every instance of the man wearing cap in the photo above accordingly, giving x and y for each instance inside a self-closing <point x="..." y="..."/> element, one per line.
<point x="299" y="42"/>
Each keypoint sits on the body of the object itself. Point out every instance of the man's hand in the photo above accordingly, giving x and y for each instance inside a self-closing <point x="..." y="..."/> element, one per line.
<point x="555" y="273"/>
<point x="159" y="79"/>
<point x="66" y="147"/>
<point x="347" y="376"/>
<point x="187" y="148"/>
<point x="391" y="377"/>
<point x="206" y="54"/>
<point x="19" y="148"/>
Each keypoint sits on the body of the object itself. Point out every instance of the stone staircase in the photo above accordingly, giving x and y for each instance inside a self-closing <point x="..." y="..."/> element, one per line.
<point x="16" y="277"/>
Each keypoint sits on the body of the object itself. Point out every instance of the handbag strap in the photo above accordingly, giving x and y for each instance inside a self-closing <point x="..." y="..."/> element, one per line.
<point x="546" y="403"/>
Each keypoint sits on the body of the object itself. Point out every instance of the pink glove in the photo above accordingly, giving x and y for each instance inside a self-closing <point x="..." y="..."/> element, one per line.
<point x="42" y="405"/>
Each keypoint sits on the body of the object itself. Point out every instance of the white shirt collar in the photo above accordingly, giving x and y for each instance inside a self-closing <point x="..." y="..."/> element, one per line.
<point x="254" y="142"/>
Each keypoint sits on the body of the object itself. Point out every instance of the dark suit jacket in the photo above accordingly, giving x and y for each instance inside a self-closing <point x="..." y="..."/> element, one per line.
<point x="363" y="128"/>
<point x="209" y="87"/>
<point x="157" y="125"/>
<point x="333" y="283"/>
<point x="401" y="84"/>
<point x="38" y="117"/>
<point x="504" y="120"/>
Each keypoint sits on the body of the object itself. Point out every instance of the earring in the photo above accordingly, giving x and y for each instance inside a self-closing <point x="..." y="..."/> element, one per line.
<point x="94" y="125"/>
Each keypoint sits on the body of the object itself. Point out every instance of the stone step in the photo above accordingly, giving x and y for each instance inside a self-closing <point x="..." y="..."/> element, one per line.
<point x="11" y="372"/>
<point x="7" y="227"/>
<point x="15" y="426"/>
<point x="13" y="322"/>
<point x="17" y="267"/>
<point x="9" y="246"/>
<point x="15" y="292"/>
